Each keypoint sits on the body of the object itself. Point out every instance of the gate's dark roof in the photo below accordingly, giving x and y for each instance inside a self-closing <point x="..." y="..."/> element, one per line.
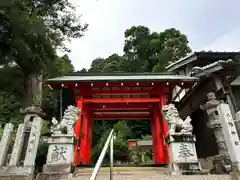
<point x="116" y="77"/>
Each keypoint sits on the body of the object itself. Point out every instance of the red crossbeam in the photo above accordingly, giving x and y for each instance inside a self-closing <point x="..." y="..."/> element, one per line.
<point x="120" y="109"/>
<point x="121" y="118"/>
<point x="122" y="113"/>
<point x="121" y="92"/>
<point x="120" y="106"/>
<point x="121" y="100"/>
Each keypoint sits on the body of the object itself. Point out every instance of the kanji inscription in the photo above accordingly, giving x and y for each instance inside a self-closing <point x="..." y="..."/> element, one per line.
<point x="32" y="139"/>
<point x="184" y="151"/>
<point x="230" y="124"/>
<point x="229" y="117"/>
<point x="229" y="131"/>
<point x="58" y="153"/>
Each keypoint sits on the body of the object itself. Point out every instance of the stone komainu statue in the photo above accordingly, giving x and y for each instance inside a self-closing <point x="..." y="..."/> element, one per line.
<point x="174" y="121"/>
<point x="71" y="115"/>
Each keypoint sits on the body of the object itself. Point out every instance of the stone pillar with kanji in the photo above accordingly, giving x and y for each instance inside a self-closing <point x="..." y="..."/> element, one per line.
<point x="230" y="135"/>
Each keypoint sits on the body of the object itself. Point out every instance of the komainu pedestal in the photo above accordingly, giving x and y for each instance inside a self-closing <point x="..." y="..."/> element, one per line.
<point x="181" y="141"/>
<point x="60" y="157"/>
<point x="183" y="155"/>
<point x="59" y="164"/>
<point x="60" y="153"/>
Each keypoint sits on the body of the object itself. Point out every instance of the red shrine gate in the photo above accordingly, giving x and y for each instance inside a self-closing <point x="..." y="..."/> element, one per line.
<point x="121" y="97"/>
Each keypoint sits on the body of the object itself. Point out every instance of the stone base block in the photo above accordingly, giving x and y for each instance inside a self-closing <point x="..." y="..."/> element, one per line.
<point x="64" y="168"/>
<point x="16" y="177"/>
<point x="54" y="176"/>
<point x="25" y="170"/>
<point x="187" y="173"/>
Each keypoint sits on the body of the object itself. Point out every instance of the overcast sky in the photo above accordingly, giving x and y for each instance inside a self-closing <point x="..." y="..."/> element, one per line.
<point x="208" y="24"/>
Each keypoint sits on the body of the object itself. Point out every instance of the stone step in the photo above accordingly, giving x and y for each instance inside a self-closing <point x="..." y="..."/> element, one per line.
<point x="123" y="169"/>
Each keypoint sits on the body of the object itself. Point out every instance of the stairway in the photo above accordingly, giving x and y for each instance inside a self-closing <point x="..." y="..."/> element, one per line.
<point x="141" y="173"/>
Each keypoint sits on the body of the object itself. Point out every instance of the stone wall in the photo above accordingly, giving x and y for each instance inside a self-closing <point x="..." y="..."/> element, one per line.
<point x="21" y="164"/>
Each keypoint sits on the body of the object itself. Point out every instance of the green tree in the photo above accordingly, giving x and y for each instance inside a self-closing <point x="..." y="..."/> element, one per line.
<point x="83" y="70"/>
<point x="31" y="32"/>
<point x="149" y="52"/>
<point x="97" y="65"/>
<point x="123" y="132"/>
<point x="136" y="47"/>
<point x="145" y="51"/>
<point x="113" y="63"/>
<point x="12" y="81"/>
<point x="12" y="90"/>
<point x="175" y="46"/>
<point x="140" y="128"/>
<point x="61" y="66"/>
<point x="9" y="107"/>
<point x="1" y="130"/>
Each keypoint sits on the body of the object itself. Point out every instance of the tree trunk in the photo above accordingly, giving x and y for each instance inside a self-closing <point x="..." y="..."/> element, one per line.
<point x="33" y="89"/>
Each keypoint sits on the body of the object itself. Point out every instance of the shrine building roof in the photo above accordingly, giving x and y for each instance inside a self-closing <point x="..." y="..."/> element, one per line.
<point x="202" y="58"/>
<point x="117" y="77"/>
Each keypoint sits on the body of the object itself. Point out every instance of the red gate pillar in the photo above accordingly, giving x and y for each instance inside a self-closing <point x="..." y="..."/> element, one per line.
<point x="153" y="128"/>
<point x="158" y="143"/>
<point x="85" y="131"/>
<point x="165" y="129"/>
<point x="77" y="131"/>
<point x="89" y="143"/>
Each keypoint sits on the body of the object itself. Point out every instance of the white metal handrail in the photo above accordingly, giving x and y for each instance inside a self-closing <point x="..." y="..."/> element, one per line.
<point x="102" y="155"/>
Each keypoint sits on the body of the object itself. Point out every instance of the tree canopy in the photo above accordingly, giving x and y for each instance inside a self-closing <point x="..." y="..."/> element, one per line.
<point x="145" y="51"/>
<point x="31" y="32"/>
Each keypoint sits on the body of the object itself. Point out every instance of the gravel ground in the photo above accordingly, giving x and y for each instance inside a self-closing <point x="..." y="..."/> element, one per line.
<point x="151" y="173"/>
<point x="156" y="177"/>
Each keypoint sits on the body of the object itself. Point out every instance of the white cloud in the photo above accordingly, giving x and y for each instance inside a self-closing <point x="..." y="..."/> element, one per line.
<point x="228" y="42"/>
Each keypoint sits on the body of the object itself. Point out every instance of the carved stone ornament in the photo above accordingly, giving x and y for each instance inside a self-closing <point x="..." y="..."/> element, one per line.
<point x="221" y="162"/>
<point x="71" y="115"/>
<point x="174" y="121"/>
<point x="55" y="128"/>
<point x="34" y="109"/>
